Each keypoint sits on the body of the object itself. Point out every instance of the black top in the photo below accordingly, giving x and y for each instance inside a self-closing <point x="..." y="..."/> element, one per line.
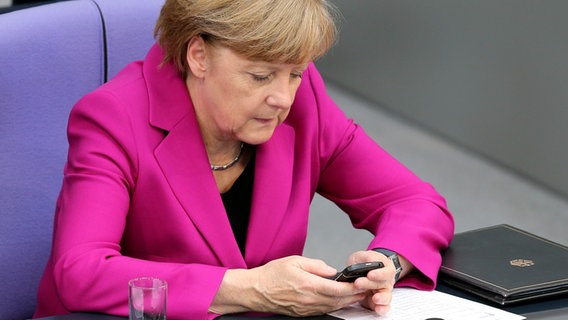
<point x="237" y="202"/>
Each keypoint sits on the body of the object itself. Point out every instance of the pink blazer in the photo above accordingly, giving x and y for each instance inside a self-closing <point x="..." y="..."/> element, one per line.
<point x="139" y="198"/>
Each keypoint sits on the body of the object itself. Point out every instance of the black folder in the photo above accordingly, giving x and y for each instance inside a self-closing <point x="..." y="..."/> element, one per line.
<point x="505" y="265"/>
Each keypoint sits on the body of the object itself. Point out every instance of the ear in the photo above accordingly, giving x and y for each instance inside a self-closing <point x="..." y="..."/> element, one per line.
<point x="196" y="56"/>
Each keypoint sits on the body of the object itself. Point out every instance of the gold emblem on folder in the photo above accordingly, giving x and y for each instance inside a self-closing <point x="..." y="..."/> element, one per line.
<point x="522" y="263"/>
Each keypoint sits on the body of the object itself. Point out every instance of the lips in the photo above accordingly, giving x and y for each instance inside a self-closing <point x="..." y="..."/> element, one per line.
<point x="265" y="120"/>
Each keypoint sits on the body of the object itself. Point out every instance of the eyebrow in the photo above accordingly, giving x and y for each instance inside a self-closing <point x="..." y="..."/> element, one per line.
<point x="271" y="66"/>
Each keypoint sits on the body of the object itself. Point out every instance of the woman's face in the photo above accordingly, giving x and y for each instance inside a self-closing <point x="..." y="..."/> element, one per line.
<point x="239" y="99"/>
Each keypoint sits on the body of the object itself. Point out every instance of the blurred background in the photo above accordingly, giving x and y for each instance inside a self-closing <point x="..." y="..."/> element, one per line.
<point x="471" y="95"/>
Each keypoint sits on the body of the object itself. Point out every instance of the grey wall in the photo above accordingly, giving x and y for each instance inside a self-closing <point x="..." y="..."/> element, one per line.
<point x="492" y="75"/>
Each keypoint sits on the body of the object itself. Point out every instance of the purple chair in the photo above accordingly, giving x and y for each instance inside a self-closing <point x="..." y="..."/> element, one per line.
<point x="50" y="56"/>
<point x="129" y="29"/>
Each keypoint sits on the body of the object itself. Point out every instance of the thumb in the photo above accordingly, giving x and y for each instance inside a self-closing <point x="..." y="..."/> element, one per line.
<point x="318" y="267"/>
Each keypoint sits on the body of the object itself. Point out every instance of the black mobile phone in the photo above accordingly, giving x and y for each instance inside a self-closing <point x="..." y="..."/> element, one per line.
<point x="355" y="271"/>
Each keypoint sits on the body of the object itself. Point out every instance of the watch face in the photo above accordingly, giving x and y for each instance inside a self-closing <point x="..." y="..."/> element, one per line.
<point x="394" y="258"/>
<point x="398" y="267"/>
<point x="396" y="261"/>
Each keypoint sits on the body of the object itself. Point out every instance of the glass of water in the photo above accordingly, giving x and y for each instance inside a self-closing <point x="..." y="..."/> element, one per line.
<point x="147" y="298"/>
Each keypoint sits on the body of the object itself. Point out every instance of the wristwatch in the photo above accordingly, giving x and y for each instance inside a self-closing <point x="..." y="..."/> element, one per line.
<point x="393" y="256"/>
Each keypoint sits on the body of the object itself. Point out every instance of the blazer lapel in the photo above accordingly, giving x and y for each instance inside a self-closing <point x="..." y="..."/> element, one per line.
<point x="185" y="165"/>
<point x="183" y="160"/>
<point x="272" y="189"/>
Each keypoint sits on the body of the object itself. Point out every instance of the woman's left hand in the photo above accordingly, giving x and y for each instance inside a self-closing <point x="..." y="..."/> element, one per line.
<point x="379" y="283"/>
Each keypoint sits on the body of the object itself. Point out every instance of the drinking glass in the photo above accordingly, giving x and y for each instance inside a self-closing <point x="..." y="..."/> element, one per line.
<point x="147" y="298"/>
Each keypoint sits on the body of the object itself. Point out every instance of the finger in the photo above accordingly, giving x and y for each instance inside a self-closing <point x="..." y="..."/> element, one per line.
<point x="317" y="267"/>
<point x="382" y="275"/>
<point x="376" y="279"/>
<point x="366" y="284"/>
<point x="368" y="256"/>
<point x="382" y="300"/>
<point x="382" y="309"/>
<point x="338" y="289"/>
<point x="363" y="256"/>
<point x="349" y="300"/>
<point x="378" y="302"/>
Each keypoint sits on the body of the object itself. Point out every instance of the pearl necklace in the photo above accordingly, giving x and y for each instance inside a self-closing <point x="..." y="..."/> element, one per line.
<point x="230" y="163"/>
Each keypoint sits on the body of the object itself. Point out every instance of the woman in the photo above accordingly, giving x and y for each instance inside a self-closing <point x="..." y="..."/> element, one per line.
<point x="198" y="165"/>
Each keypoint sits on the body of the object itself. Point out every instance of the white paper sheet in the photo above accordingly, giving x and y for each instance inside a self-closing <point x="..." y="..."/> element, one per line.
<point x="412" y="304"/>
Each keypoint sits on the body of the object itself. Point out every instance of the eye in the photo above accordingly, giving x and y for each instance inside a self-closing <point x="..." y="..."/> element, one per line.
<point x="296" y="75"/>
<point x="259" y="77"/>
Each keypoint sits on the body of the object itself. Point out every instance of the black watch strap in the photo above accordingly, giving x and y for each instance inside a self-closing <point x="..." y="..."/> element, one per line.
<point x="393" y="256"/>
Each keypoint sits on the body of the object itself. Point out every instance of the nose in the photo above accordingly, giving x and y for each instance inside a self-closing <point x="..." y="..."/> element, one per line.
<point x="282" y="93"/>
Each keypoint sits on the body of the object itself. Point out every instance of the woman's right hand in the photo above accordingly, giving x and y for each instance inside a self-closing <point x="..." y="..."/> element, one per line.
<point x="294" y="286"/>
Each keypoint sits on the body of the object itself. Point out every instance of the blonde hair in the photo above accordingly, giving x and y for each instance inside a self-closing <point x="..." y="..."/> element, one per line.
<point x="283" y="31"/>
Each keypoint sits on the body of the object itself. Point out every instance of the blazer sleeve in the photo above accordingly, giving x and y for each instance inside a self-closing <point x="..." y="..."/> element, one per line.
<point x="89" y="273"/>
<point x="378" y="193"/>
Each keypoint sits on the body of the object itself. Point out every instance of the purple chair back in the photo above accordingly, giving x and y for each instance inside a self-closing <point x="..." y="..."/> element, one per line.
<point x="50" y="56"/>
<point x="128" y="39"/>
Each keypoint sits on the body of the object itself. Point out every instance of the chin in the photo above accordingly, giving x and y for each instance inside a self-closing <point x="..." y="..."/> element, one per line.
<point x="258" y="137"/>
<point x="256" y="141"/>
